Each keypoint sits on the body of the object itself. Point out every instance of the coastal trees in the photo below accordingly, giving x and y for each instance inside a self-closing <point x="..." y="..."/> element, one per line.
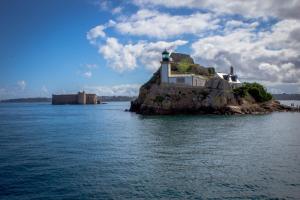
<point x="256" y="90"/>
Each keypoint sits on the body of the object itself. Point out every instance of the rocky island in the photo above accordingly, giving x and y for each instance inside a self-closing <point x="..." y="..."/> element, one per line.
<point x="180" y="86"/>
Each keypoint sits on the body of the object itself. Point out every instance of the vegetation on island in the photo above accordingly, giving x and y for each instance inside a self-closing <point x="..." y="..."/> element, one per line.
<point x="256" y="90"/>
<point x="185" y="66"/>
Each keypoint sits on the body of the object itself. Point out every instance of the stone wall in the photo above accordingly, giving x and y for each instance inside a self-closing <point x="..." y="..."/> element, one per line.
<point x="80" y="98"/>
<point x="91" y="99"/>
<point x="65" y="99"/>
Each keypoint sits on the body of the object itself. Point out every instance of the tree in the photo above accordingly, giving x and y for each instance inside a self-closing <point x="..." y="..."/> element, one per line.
<point x="256" y="90"/>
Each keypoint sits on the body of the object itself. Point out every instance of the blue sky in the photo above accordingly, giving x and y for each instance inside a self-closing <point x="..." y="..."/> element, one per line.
<point x="112" y="47"/>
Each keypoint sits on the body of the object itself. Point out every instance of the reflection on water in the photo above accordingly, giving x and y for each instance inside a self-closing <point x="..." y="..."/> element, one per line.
<point x="102" y="152"/>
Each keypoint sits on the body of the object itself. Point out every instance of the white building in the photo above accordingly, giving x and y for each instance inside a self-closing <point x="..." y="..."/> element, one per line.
<point x="190" y="79"/>
<point x="231" y="78"/>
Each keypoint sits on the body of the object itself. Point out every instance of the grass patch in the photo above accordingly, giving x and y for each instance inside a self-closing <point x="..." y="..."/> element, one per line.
<point x="183" y="66"/>
<point x="186" y="67"/>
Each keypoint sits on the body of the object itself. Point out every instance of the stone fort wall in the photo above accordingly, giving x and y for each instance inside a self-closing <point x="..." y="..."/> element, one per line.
<point x="80" y="98"/>
<point x="91" y="99"/>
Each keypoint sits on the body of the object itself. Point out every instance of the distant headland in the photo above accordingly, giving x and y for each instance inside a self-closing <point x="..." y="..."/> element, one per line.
<point x="285" y="96"/>
<point x="102" y="99"/>
<point x="181" y="86"/>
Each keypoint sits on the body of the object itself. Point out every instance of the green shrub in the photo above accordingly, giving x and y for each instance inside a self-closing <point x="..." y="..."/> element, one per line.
<point x="256" y="90"/>
<point x="198" y="70"/>
<point x="240" y="91"/>
<point x="183" y="66"/>
<point x="211" y="70"/>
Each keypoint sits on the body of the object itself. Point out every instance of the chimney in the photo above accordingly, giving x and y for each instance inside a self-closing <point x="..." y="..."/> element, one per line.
<point x="231" y="70"/>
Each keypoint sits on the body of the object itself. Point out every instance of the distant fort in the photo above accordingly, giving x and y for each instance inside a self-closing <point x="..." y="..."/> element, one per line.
<point x="79" y="98"/>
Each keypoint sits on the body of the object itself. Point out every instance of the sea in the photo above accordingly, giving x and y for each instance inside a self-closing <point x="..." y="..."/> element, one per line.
<point x="103" y="152"/>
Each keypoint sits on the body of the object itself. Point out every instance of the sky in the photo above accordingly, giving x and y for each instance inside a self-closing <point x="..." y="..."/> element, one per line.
<point x="112" y="47"/>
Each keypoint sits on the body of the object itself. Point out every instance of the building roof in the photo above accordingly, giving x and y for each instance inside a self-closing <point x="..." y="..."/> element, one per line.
<point x="221" y="75"/>
<point x="165" y="52"/>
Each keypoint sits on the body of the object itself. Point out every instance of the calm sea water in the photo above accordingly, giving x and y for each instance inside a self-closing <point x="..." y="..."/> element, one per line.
<point x="102" y="152"/>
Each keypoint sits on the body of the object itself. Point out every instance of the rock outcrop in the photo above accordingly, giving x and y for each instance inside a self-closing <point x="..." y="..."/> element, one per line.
<point x="216" y="97"/>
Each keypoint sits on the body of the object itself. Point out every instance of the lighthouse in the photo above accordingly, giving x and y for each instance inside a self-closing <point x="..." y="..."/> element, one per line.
<point x="165" y="67"/>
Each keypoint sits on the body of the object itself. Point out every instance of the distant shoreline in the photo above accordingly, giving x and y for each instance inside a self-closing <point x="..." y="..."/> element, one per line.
<point x="27" y="100"/>
<point x="288" y="97"/>
<point x="46" y="100"/>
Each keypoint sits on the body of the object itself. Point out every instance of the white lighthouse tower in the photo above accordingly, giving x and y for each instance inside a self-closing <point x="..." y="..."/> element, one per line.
<point x="165" y="67"/>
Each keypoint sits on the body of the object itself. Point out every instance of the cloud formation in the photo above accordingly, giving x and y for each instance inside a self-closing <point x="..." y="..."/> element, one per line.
<point x="267" y="55"/>
<point x="87" y="70"/>
<point x="126" y="57"/>
<point x="261" y="39"/>
<point x="95" y="33"/>
<point x="87" y="74"/>
<point x="45" y="90"/>
<point x="116" y="90"/>
<point x="253" y="9"/>
<point x="22" y="84"/>
<point x="163" y="25"/>
<point x="15" y="90"/>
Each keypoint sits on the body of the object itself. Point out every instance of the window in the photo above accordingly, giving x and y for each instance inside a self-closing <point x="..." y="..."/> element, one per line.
<point x="180" y="80"/>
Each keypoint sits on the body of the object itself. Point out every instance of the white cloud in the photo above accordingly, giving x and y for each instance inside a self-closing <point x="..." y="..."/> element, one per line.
<point x="16" y="90"/>
<point x="235" y="24"/>
<point x="110" y="6"/>
<point x="117" y="10"/>
<point x="87" y="74"/>
<point x="91" y="66"/>
<point x="44" y="89"/>
<point x="95" y="33"/>
<point x="269" y="55"/>
<point x="156" y="24"/>
<point x="254" y="8"/>
<point x="126" y="57"/>
<point x="116" y="90"/>
<point x="103" y="4"/>
<point x="163" y="25"/>
<point x="86" y="70"/>
<point x="22" y="84"/>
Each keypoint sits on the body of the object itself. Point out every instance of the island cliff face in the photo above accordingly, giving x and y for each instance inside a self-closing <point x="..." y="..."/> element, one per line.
<point x="217" y="97"/>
